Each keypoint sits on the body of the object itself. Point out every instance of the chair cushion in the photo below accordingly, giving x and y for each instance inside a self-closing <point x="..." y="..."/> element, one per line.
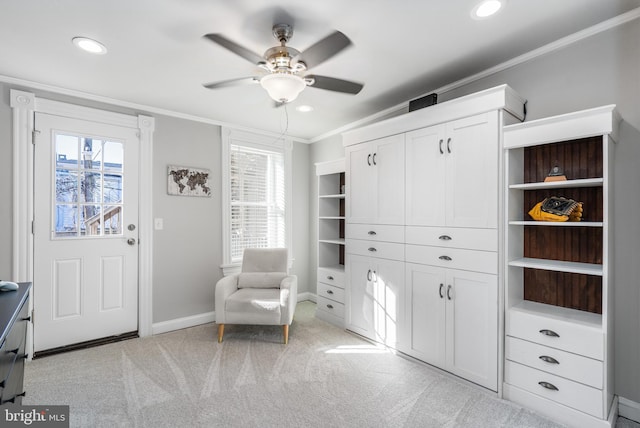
<point x="264" y="260"/>
<point x="260" y="279"/>
<point x="254" y="306"/>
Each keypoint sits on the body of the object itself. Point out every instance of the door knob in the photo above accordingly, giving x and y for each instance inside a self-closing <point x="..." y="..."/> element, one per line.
<point x="131" y="241"/>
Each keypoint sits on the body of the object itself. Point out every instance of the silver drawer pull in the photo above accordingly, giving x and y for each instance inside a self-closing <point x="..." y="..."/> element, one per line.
<point x="371" y="232"/>
<point x="548" y="359"/>
<point x="549" y="333"/>
<point x="447" y="258"/>
<point x="444" y="238"/>
<point x="548" y="386"/>
<point x="372" y="249"/>
<point x="330" y="306"/>
<point x="330" y="278"/>
<point x="331" y="292"/>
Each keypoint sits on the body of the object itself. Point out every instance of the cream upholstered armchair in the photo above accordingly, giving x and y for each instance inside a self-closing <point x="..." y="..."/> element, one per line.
<point x="262" y="293"/>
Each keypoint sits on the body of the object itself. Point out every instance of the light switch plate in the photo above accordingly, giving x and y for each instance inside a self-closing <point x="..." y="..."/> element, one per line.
<point x="158" y="224"/>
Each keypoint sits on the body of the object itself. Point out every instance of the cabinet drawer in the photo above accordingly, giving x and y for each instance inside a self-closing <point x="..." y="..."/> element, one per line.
<point x="572" y="394"/>
<point x="455" y="258"/>
<point x="453" y="237"/>
<point x="330" y="292"/>
<point x="561" y="334"/>
<point x="326" y="305"/>
<point x="330" y="276"/>
<point x="383" y="250"/>
<point x="375" y="232"/>
<point x="571" y="366"/>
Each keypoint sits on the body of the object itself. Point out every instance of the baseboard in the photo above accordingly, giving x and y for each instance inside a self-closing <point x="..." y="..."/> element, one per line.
<point x="180" y="323"/>
<point x="307" y="296"/>
<point x="629" y="409"/>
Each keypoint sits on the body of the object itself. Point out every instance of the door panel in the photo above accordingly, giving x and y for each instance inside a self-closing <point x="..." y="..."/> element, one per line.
<point x="85" y="231"/>
<point x="388" y="162"/>
<point x="361" y="179"/>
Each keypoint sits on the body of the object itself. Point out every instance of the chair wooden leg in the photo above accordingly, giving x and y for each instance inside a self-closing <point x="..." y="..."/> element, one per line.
<point x="285" y="330"/>
<point x="220" y="332"/>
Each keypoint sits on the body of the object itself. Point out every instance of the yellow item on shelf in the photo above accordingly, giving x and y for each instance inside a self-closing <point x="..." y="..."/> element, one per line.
<point x="557" y="209"/>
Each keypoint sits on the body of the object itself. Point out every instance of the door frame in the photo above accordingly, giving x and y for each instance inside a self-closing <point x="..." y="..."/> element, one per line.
<point x="25" y="105"/>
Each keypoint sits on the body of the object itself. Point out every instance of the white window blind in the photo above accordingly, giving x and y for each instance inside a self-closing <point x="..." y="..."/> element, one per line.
<point x="257" y="199"/>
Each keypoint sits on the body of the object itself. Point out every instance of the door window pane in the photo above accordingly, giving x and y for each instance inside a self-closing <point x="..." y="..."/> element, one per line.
<point x="67" y="151"/>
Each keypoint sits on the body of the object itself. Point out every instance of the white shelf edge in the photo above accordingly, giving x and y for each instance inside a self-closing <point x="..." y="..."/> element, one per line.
<point x="559" y="266"/>
<point x="336" y="196"/>
<point x="332" y="241"/>
<point x="331" y="218"/>
<point x="556" y="223"/>
<point x="566" y="184"/>
<point x="336" y="268"/>
<point x="589" y="319"/>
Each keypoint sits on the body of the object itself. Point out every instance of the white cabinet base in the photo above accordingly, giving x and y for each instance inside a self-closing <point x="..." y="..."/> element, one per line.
<point x="558" y="412"/>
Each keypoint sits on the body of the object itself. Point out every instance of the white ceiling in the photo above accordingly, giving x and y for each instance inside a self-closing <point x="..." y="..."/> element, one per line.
<point x="159" y="60"/>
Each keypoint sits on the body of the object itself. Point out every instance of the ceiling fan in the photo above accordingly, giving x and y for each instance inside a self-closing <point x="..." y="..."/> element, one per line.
<point x="285" y="66"/>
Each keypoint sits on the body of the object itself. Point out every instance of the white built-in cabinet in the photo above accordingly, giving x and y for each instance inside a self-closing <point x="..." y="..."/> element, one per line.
<point x="331" y="241"/>
<point x="422" y="232"/>
<point x="559" y="279"/>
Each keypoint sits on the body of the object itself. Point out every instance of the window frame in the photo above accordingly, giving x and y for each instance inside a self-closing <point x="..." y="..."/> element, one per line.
<point x="263" y="142"/>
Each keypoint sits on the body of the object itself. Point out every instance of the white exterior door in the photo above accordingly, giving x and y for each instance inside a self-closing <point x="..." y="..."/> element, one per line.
<point x="85" y="231"/>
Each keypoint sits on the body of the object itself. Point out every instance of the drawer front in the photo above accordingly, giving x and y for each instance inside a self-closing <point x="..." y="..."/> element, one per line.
<point x="571" y="366"/>
<point x="383" y="250"/>
<point x="563" y="335"/>
<point x="455" y="258"/>
<point x="330" y="292"/>
<point x="375" y="232"/>
<point x="333" y="277"/>
<point x="572" y="394"/>
<point x="453" y="237"/>
<point x="326" y="305"/>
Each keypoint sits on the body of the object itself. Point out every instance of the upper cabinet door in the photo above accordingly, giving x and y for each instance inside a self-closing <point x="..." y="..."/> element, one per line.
<point x="360" y="182"/>
<point x="388" y="160"/>
<point x="472" y="153"/>
<point x="425" y="175"/>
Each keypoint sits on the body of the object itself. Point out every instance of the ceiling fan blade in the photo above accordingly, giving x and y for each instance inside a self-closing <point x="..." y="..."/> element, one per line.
<point x="232" y="82"/>
<point x="323" y="50"/>
<point x="333" y="84"/>
<point x="235" y="48"/>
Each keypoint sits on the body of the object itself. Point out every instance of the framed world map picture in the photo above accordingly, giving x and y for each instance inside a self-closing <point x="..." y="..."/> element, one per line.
<point x="186" y="181"/>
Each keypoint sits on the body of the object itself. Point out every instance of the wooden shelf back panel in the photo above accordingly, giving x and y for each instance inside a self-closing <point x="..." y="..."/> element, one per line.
<point x="568" y="290"/>
<point x="570" y="244"/>
<point x="578" y="159"/>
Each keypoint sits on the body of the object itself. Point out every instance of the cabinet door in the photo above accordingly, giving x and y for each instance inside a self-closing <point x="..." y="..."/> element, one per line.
<point x="360" y="182"/>
<point x="472" y="326"/>
<point x="425" y="177"/>
<point x="388" y="302"/>
<point x="425" y="313"/>
<point x="388" y="160"/>
<point x="360" y="295"/>
<point x="471" y="148"/>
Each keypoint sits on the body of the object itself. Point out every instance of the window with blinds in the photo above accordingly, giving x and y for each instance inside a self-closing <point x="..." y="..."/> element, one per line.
<point x="257" y="199"/>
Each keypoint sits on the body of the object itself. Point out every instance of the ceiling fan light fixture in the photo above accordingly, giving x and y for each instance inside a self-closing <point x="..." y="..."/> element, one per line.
<point x="283" y="87"/>
<point x="487" y="8"/>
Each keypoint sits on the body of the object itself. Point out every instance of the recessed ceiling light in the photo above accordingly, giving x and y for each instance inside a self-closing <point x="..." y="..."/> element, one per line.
<point x="487" y="8"/>
<point x="89" y="45"/>
<point x="304" y="108"/>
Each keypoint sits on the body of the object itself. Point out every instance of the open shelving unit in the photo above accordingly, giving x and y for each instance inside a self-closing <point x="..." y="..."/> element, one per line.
<point x="558" y="297"/>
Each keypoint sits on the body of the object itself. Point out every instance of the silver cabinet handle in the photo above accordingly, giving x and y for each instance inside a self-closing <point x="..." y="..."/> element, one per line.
<point x="449" y="292"/>
<point x="440" y="146"/>
<point x="440" y="291"/>
<point x="444" y="238"/>
<point x="372" y="233"/>
<point x="372" y="249"/>
<point x="369" y="275"/>
<point x="331" y="292"/>
<point x="548" y="386"/>
<point x="374" y="159"/>
<point x="369" y="159"/>
<point x="549" y="333"/>
<point x="447" y="258"/>
<point x="329" y="306"/>
<point x="448" y="145"/>
<point x="548" y="359"/>
<point x="330" y="278"/>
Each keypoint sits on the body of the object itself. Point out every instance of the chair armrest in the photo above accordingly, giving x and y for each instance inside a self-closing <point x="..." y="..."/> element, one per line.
<point x="288" y="298"/>
<point x="224" y="288"/>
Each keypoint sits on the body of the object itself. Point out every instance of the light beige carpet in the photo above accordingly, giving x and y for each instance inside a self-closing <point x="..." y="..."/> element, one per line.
<point x="324" y="377"/>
